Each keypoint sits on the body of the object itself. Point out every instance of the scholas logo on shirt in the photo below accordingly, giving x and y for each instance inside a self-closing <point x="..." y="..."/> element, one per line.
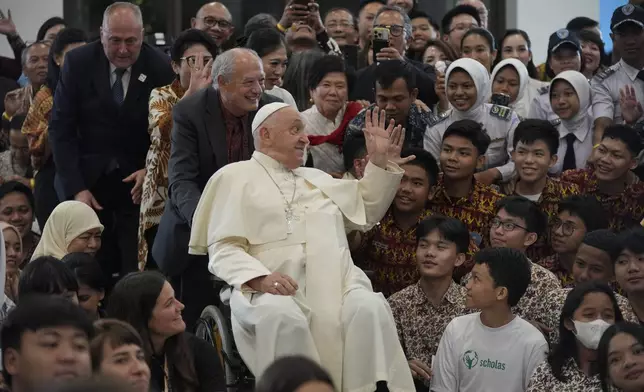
<point x="471" y="360"/>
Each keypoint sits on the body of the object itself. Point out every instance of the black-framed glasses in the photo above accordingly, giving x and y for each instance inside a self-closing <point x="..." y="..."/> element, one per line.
<point x="192" y="60"/>
<point x="394" y="30"/>
<point x="212" y="22"/>
<point x="507" y="226"/>
<point x="567" y="228"/>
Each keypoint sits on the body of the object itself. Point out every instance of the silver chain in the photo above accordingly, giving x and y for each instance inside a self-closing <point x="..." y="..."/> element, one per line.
<point x="278" y="187"/>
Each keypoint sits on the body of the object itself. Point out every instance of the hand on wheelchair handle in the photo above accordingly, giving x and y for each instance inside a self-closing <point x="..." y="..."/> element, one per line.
<point x="275" y="283"/>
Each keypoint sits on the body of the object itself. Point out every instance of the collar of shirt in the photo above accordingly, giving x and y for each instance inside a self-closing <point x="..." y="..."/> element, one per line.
<point x="113" y="70"/>
<point x="228" y="116"/>
<point x="269" y="163"/>
<point x="630" y="71"/>
<point x="390" y="221"/>
<point x="177" y="88"/>
<point x="338" y="118"/>
<point x="440" y="192"/>
<point x="580" y="133"/>
<point x="453" y="294"/>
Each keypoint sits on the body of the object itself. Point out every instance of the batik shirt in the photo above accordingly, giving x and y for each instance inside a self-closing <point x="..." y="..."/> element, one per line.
<point x="553" y="264"/>
<point x="420" y="324"/>
<point x="543" y="380"/>
<point x="624" y="210"/>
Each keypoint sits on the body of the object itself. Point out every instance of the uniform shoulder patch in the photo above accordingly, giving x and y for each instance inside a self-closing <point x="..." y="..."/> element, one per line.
<point x="502" y="112"/>
<point x="607" y="72"/>
<point x="555" y="122"/>
<point x="440" y="118"/>
<point x="544" y="90"/>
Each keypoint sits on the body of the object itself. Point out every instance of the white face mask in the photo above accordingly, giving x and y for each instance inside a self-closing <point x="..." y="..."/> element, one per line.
<point x="589" y="334"/>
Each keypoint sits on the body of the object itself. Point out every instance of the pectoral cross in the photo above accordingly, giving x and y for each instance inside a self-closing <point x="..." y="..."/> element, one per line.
<point x="290" y="217"/>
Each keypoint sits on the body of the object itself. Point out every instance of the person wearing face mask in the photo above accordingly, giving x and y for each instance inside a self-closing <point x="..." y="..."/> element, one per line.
<point x="510" y="78"/>
<point x="467" y="88"/>
<point x="620" y="358"/>
<point x="564" y="54"/>
<point x="570" y="100"/>
<point x="589" y="309"/>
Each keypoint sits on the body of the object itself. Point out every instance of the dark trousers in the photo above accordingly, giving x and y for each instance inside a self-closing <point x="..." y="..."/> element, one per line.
<point x="195" y="288"/>
<point x="44" y="192"/>
<point x="120" y="216"/>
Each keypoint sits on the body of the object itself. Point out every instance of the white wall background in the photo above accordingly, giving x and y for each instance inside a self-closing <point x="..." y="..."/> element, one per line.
<point x="28" y="15"/>
<point x="540" y="18"/>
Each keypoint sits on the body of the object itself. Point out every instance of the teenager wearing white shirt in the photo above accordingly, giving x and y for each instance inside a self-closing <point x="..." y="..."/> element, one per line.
<point x="492" y="350"/>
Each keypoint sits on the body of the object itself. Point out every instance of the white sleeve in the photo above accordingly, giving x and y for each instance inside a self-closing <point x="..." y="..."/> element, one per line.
<point x="536" y="109"/>
<point x="535" y="358"/>
<point x="432" y="141"/>
<point x="445" y="366"/>
<point x="507" y="170"/>
<point x="603" y="105"/>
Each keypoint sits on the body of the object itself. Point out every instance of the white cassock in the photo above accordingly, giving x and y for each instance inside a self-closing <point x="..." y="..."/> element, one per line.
<point x="335" y="318"/>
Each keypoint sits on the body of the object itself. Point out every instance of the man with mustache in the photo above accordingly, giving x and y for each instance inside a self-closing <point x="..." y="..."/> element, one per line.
<point x="211" y="129"/>
<point x="276" y="233"/>
<point x="215" y="19"/>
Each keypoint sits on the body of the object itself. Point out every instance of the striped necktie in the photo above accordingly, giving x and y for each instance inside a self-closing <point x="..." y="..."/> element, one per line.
<point x="118" y="92"/>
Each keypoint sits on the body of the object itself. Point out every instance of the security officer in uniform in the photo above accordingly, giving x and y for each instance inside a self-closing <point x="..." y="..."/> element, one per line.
<point x="627" y="26"/>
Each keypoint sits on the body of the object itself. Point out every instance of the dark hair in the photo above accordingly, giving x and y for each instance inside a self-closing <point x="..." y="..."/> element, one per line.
<point x="635" y="330"/>
<point x="580" y="23"/>
<point x="353" y="147"/>
<point x="187" y="39"/>
<point x="46" y="275"/>
<point x="482" y="33"/>
<point x="87" y="270"/>
<point x="447" y="50"/>
<point x="508" y="268"/>
<point x="132" y="300"/>
<point x="387" y="72"/>
<point x="116" y="333"/>
<point x="66" y="37"/>
<point x="536" y="221"/>
<point x="588" y="209"/>
<point x="532" y="130"/>
<point x="591" y="36"/>
<point x="342" y="9"/>
<point x="604" y="240"/>
<point x="364" y="3"/>
<point x="259" y="21"/>
<point x="532" y="69"/>
<point x="472" y="131"/>
<point x="36" y="312"/>
<point x="48" y="24"/>
<point x="567" y="347"/>
<point x="625" y="134"/>
<point x="451" y="229"/>
<point x="415" y="14"/>
<point x="446" y="22"/>
<point x="632" y="240"/>
<point x="287" y="374"/>
<point x="15" y="186"/>
<point x="297" y="74"/>
<point x="424" y="160"/>
<point x="266" y="41"/>
<point x="329" y="63"/>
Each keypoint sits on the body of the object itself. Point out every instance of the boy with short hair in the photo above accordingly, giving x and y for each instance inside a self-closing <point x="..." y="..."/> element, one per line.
<point x="629" y="269"/>
<point x="493" y="350"/>
<point x="423" y="310"/>
<point x="535" y="153"/>
<point x="45" y="342"/>
<point x="457" y="193"/>
<point x="618" y="190"/>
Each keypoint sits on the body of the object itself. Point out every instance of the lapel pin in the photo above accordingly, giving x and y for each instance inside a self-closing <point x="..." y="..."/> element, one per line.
<point x="142" y="78"/>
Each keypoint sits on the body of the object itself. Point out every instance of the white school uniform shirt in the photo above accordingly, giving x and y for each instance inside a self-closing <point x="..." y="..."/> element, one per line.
<point x="472" y="357"/>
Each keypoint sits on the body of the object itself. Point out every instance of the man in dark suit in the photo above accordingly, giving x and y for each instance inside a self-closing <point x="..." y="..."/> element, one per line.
<point x="99" y="124"/>
<point x="210" y="129"/>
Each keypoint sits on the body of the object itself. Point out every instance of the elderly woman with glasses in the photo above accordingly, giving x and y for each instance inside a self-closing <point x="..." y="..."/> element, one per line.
<point x="192" y="55"/>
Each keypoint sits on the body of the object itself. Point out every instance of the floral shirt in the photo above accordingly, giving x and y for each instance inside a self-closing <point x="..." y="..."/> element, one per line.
<point x="155" y="183"/>
<point x="548" y="202"/>
<point x="36" y="126"/>
<point x="553" y="264"/>
<point x="543" y="380"/>
<point x="420" y="324"/>
<point x="22" y="99"/>
<point x="624" y="210"/>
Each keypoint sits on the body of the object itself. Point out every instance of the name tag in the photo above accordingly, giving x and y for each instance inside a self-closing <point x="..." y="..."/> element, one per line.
<point x="142" y="78"/>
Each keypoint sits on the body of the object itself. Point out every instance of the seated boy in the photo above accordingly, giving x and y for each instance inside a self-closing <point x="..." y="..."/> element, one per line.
<point x="629" y="269"/>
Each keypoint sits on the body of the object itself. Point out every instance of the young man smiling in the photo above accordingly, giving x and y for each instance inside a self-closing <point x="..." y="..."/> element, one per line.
<point x="423" y="310"/>
<point x="493" y="350"/>
<point x="611" y="181"/>
<point x="535" y="152"/>
<point x="629" y="269"/>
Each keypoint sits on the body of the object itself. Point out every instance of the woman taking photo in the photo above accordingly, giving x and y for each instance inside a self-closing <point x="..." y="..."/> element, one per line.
<point x="327" y="120"/>
<point x="178" y="361"/>
<point x="589" y="309"/>
<point x="510" y="79"/>
<point x="621" y="358"/>
<point x="478" y="44"/>
<point x="270" y="46"/>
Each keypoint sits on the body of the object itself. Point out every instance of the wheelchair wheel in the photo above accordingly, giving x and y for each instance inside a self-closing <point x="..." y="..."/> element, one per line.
<point x="213" y="328"/>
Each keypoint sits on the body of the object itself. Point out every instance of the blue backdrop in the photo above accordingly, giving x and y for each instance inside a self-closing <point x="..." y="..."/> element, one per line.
<point x="606" y="8"/>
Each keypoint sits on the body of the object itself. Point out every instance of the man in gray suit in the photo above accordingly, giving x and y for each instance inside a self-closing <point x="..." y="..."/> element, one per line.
<point x="211" y="129"/>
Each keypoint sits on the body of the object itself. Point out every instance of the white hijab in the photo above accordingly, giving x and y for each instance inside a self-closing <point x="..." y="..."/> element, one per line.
<point x="481" y="79"/>
<point x="581" y="86"/>
<point x="524" y="77"/>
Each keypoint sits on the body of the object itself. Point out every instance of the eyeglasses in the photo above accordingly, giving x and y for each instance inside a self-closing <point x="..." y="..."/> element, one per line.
<point x="462" y="27"/>
<point x="212" y="22"/>
<point x="567" y="228"/>
<point x="191" y="60"/>
<point x="394" y="30"/>
<point x="507" y="226"/>
<point x="342" y="24"/>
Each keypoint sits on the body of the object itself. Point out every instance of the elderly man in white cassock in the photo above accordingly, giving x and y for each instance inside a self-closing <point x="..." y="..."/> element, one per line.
<point x="276" y="233"/>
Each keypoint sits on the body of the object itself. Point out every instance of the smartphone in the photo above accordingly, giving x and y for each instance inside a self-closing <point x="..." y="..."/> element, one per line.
<point x="302" y="2"/>
<point x="501" y="99"/>
<point x="380" y="40"/>
<point x="350" y="53"/>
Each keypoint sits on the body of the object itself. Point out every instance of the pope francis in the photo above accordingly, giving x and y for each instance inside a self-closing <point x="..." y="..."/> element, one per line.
<point x="276" y="233"/>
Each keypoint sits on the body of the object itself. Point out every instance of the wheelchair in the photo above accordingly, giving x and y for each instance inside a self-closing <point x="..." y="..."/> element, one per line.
<point x="215" y="328"/>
